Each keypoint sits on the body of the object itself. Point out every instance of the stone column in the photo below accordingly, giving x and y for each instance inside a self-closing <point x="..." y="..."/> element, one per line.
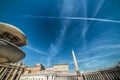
<point x="112" y="77"/>
<point x="117" y="76"/>
<point x="95" y="75"/>
<point x="88" y="76"/>
<point x="3" y="73"/>
<point x="14" y="73"/>
<point x="102" y="77"/>
<point x="117" y="73"/>
<point x="82" y="77"/>
<point x="85" y="77"/>
<point x="1" y="69"/>
<point x="19" y="74"/>
<point x="106" y="75"/>
<point x="9" y="74"/>
<point x="99" y="77"/>
<point x="91" y="78"/>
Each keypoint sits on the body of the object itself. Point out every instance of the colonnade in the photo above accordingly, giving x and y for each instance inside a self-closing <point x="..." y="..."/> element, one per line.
<point x="106" y="74"/>
<point x="11" y="71"/>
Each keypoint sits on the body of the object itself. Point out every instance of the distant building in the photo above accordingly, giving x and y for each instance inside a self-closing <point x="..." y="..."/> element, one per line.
<point x="49" y="70"/>
<point x="34" y="69"/>
<point x="61" y="68"/>
<point x="39" y="72"/>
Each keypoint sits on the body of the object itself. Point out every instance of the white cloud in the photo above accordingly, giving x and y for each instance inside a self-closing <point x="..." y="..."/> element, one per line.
<point x="98" y="7"/>
<point x="104" y="47"/>
<point x="77" y="18"/>
<point x="56" y="48"/>
<point x="35" y="50"/>
<point x="101" y="59"/>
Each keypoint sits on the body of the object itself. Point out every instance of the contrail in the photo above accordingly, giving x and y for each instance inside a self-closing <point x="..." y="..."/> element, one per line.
<point x="98" y="7"/>
<point x="86" y="24"/>
<point x="85" y="27"/>
<point x="35" y="50"/>
<point x="76" y="18"/>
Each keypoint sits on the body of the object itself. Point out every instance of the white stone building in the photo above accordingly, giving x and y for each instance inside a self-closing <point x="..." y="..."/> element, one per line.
<point x="39" y="72"/>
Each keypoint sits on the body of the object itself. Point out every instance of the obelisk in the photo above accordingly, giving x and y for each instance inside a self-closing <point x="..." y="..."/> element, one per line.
<point x="76" y="65"/>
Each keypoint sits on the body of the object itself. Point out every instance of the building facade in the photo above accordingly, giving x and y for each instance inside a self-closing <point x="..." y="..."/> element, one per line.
<point x="61" y="68"/>
<point x="39" y="72"/>
<point x="57" y="73"/>
<point x="34" y="69"/>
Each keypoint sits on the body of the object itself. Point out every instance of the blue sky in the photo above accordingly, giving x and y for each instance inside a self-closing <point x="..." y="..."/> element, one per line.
<point x="54" y="27"/>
